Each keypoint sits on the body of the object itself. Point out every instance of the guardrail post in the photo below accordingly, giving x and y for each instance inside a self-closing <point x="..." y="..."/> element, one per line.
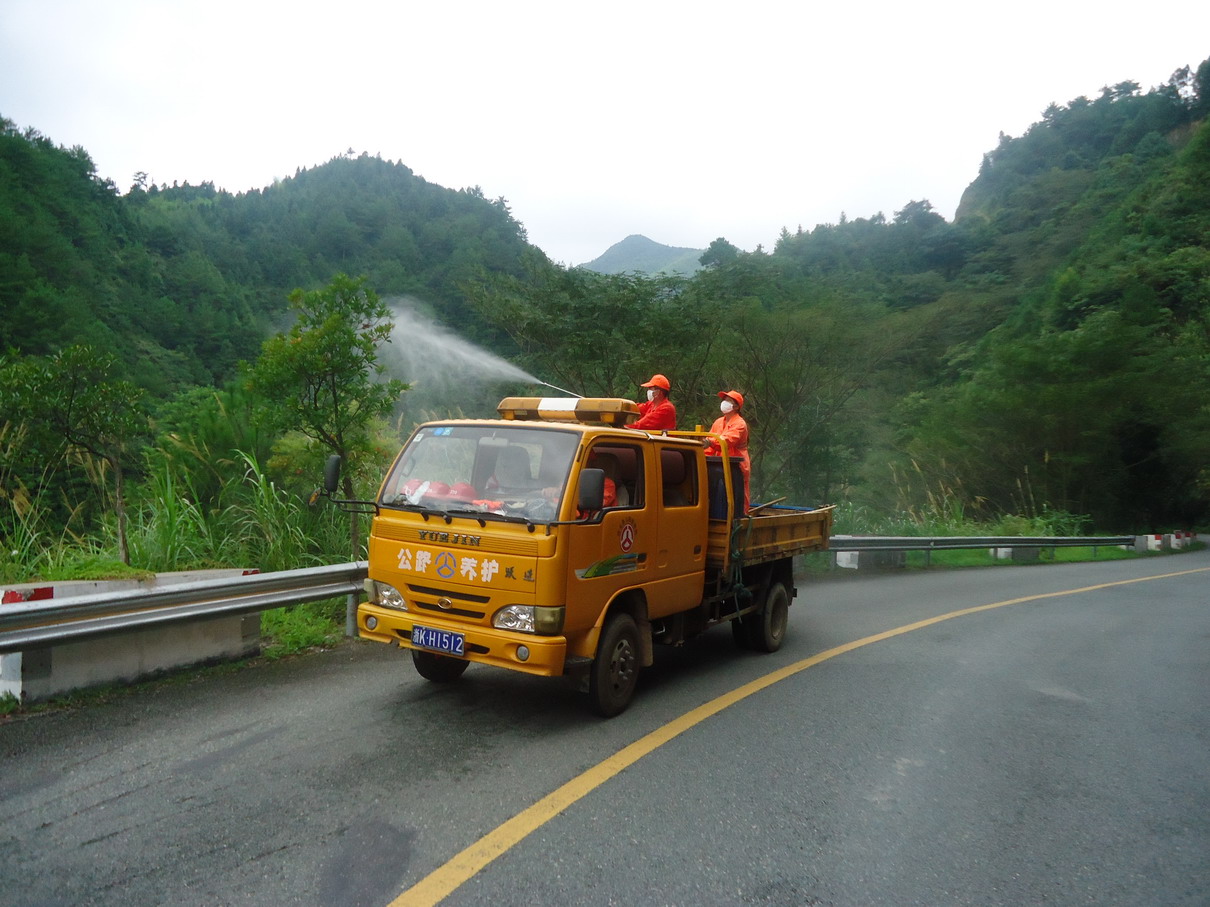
<point x="846" y="560"/>
<point x="1146" y="543"/>
<point x="1021" y="554"/>
<point x="855" y="560"/>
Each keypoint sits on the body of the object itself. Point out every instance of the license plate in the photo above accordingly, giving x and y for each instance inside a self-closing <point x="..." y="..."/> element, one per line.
<point x="438" y="640"/>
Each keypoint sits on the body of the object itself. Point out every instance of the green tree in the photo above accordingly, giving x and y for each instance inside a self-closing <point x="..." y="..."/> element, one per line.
<point x="323" y="378"/>
<point x="72" y="401"/>
<point x="1088" y="421"/>
<point x="719" y="254"/>
<point x="801" y="364"/>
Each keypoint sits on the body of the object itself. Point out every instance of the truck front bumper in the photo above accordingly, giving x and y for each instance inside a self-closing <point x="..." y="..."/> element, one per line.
<point x="540" y="655"/>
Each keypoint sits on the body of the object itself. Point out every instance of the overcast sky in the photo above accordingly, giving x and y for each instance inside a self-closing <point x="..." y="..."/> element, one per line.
<point x="682" y="121"/>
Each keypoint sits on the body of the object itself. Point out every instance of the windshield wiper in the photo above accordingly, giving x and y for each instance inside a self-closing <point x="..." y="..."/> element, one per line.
<point x="425" y="512"/>
<point x="480" y="516"/>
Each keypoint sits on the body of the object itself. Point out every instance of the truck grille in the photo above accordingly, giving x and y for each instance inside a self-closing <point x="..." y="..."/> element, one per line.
<point x="461" y="612"/>
<point x="449" y="595"/>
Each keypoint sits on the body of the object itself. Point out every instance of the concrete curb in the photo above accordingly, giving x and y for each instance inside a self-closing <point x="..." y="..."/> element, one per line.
<point x="37" y="674"/>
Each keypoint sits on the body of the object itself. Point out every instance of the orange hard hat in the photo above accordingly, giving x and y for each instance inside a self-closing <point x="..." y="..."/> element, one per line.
<point x="658" y="381"/>
<point x="734" y="395"/>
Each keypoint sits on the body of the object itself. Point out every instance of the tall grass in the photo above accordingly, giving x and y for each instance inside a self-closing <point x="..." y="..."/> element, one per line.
<point x="278" y="534"/>
<point x="36" y="546"/>
<point x="170" y="531"/>
<point x="940" y="506"/>
<point x="254" y="523"/>
<point x="33" y="549"/>
<point x="265" y="522"/>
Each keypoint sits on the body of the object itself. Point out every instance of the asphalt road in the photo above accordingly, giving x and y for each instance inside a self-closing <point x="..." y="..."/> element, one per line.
<point x="1053" y="750"/>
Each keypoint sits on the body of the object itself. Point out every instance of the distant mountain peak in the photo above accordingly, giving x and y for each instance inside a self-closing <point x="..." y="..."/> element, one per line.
<point x="646" y="256"/>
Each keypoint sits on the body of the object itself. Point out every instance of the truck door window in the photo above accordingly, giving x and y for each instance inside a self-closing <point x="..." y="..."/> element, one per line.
<point x="623" y="465"/>
<point x="678" y="478"/>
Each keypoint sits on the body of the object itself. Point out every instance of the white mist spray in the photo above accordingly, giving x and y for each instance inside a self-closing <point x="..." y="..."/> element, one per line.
<point x="449" y="375"/>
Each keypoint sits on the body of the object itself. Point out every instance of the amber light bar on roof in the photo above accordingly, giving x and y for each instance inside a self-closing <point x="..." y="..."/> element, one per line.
<point x="603" y="410"/>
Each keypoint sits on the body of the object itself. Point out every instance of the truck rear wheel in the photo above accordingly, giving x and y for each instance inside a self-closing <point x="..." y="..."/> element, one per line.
<point x="767" y="627"/>
<point x="615" y="671"/>
<point x="438" y="668"/>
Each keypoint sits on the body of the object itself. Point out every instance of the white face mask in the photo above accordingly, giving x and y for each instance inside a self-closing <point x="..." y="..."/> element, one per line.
<point x="650" y="394"/>
<point x="726" y="406"/>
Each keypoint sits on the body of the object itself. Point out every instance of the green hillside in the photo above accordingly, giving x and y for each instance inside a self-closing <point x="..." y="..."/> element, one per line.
<point x="185" y="281"/>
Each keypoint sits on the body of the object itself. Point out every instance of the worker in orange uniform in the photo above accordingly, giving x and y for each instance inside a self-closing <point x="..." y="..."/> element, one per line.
<point x="734" y="430"/>
<point x="657" y="413"/>
<point x="610" y="496"/>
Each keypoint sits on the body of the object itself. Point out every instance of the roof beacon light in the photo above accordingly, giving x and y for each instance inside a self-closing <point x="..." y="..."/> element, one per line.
<point x="599" y="410"/>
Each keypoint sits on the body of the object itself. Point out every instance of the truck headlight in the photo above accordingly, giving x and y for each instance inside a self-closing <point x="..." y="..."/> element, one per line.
<point x="515" y="617"/>
<point x="529" y="619"/>
<point x="385" y="595"/>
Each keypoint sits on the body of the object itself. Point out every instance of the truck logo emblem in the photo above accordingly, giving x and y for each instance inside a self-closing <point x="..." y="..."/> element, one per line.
<point x="444" y="604"/>
<point x="627" y="536"/>
<point x="445" y="565"/>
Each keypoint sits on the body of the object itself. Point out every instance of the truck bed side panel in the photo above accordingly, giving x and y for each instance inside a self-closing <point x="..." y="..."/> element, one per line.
<point x="770" y="535"/>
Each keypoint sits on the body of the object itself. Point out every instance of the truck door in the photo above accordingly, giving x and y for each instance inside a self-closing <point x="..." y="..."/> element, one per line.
<point x="614" y="549"/>
<point x="678" y="572"/>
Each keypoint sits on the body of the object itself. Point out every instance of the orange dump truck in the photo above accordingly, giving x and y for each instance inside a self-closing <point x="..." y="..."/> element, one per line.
<point x="556" y="541"/>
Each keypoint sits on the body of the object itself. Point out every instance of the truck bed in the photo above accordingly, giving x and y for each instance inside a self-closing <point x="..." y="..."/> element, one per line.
<point x="769" y="533"/>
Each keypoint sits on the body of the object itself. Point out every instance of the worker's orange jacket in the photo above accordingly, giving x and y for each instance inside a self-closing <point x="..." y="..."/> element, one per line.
<point x="734" y="430"/>
<point x="656" y="416"/>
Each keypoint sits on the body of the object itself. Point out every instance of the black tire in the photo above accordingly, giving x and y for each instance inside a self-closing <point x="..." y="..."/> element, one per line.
<point x="438" y="668"/>
<point x="615" y="671"/>
<point x="767" y="627"/>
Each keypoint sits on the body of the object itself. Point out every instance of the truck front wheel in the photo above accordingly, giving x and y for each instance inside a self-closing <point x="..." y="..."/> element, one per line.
<point x="767" y="627"/>
<point x="615" y="670"/>
<point x="438" y="668"/>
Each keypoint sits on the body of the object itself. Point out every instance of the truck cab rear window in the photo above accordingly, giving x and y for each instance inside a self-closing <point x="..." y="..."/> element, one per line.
<point x="678" y="478"/>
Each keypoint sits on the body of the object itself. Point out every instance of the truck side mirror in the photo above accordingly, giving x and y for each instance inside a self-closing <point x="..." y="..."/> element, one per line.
<point x="332" y="474"/>
<point x="591" y="491"/>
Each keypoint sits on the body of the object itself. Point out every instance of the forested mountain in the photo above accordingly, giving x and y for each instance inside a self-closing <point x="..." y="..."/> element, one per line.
<point x="1042" y="357"/>
<point x="638" y="254"/>
<point x="185" y="281"/>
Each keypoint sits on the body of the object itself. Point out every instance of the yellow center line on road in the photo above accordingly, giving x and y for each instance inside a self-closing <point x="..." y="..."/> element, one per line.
<point x="447" y="878"/>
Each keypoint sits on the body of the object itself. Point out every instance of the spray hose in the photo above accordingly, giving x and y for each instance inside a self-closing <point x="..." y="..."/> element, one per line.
<point x="560" y="389"/>
<point x="743" y="595"/>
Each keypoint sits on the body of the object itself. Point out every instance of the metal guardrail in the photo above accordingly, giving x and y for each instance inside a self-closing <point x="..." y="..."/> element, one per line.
<point x="953" y="543"/>
<point x="27" y="625"/>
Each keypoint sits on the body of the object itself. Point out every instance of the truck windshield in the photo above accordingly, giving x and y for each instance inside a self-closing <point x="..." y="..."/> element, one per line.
<point x="483" y="470"/>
